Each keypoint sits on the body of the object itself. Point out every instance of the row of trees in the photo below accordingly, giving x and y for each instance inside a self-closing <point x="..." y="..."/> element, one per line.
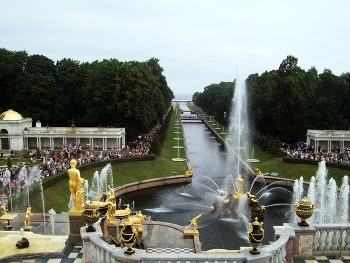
<point x="284" y="103"/>
<point x="105" y="93"/>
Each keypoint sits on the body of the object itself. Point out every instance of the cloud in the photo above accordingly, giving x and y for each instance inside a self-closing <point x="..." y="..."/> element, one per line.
<point x="198" y="42"/>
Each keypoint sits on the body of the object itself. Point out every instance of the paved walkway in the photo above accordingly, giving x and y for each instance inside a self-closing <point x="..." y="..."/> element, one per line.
<point x="47" y="242"/>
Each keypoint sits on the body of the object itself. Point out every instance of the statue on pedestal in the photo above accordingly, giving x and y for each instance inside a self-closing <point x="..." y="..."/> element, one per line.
<point x="258" y="172"/>
<point x="3" y="209"/>
<point x="27" y="226"/>
<point x="76" y="186"/>
<point x="194" y="225"/>
<point x="189" y="172"/>
<point x="110" y="200"/>
<point x="239" y="187"/>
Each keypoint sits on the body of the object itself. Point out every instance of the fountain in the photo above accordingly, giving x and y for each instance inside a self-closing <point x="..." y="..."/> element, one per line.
<point x="328" y="199"/>
<point x="228" y="199"/>
<point x="177" y="138"/>
<point x="100" y="183"/>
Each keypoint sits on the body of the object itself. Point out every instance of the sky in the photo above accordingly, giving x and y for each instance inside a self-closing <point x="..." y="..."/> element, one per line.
<point x="197" y="42"/>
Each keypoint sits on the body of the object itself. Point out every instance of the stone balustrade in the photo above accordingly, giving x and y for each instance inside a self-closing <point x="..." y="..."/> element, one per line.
<point x="291" y="241"/>
<point x="277" y="249"/>
<point x="331" y="239"/>
<point x="96" y="250"/>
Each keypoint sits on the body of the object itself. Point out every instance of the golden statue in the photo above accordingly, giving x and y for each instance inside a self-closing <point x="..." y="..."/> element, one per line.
<point x="3" y="209"/>
<point x="239" y="187"/>
<point x="111" y="205"/>
<point x="128" y="208"/>
<point x="27" y="216"/>
<point x="189" y="172"/>
<point x="194" y="225"/>
<point x="137" y="221"/>
<point x="76" y="186"/>
<point x="258" y="172"/>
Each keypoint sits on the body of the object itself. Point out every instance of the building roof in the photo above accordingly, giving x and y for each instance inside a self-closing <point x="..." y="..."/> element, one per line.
<point x="10" y="115"/>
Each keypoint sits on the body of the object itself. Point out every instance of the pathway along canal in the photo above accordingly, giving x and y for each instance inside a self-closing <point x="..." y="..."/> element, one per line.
<point x="179" y="203"/>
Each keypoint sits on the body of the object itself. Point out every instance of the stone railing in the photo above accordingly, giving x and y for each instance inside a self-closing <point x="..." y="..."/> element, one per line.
<point x="96" y="250"/>
<point x="278" y="249"/>
<point x="331" y="239"/>
<point x="292" y="241"/>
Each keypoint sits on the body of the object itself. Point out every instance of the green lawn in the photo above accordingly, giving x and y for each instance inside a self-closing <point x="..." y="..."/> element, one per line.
<point x="269" y="163"/>
<point x="57" y="197"/>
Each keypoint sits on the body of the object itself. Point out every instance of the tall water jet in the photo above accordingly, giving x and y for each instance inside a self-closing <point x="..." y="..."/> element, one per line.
<point x="43" y="203"/>
<point x="100" y="182"/>
<point x="331" y="203"/>
<point x="238" y="130"/>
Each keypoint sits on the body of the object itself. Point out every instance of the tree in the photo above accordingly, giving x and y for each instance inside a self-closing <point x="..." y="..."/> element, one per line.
<point x="134" y="98"/>
<point x="288" y="111"/>
<point x="36" y="90"/>
<point x="71" y="77"/>
<point x="332" y="99"/>
<point x="12" y="71"/>
<point x="97" y="94"/>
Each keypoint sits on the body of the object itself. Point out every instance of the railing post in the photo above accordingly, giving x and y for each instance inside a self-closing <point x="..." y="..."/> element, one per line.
<point x="87" y="245"/>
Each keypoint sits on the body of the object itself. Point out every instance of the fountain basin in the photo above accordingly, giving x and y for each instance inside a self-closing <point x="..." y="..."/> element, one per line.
<point x="252" y="160"/>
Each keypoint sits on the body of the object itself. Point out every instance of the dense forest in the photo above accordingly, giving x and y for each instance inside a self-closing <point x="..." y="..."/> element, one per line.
<point x="284" y="103"/>
<point x="107" y="93"/>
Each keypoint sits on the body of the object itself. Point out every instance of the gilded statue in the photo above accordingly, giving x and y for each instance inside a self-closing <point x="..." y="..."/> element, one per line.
<point x="76" y="186"/>
<point x="128" y="208"/>
<point x="137" y="221"/>
<point x="3" y="209"/>
<point x="27" y="216"/>
<point x="194" y="223"/>
<point x="258" y="172"/>
<point x="239" y="187"/>
<point x="111" y="205"/>
<point x="189" y="172"/>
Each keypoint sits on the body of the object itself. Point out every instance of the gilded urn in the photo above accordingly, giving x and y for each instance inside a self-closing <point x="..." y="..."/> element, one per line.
<point x="128" y="234"/>
<point x="304" y="209"/>
<point x="255" y="235"/>
<point x="90" y="215"/>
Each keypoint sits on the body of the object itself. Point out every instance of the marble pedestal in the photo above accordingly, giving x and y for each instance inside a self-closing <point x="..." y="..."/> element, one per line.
<point x="75" y="223"/>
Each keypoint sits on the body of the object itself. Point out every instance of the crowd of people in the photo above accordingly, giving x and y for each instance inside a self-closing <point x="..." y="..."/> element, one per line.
<point x="301" y="150"/>
<point x="52" y="161"/>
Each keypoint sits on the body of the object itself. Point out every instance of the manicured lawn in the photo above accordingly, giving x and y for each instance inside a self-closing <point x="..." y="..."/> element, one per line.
<point x="269" y="163"/>
<point x="57" y="197"/>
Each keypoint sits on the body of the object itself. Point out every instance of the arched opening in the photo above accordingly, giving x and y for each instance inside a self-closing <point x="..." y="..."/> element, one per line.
<point x="5" y="141"/>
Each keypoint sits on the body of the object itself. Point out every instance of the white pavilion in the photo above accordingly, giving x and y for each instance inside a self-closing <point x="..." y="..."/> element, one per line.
<point x="328" y="140"/>
<point x="19" y="135"/>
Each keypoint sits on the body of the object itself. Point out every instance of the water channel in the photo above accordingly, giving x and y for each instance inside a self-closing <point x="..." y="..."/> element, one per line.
<point x="180" y="203"/>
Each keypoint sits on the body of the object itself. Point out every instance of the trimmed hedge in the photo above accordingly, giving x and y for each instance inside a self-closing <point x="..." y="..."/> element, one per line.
<point x="158" y="140"/>
<point x="313" y="162"/>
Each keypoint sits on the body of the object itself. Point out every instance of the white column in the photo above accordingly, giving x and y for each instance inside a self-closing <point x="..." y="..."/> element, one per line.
<point x="38" y="143"/>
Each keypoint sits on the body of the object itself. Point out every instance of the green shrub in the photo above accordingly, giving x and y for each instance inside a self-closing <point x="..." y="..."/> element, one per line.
<point x="9" y="162"/>
<point x="53" y="179"/>
<point x="313" y="162"/>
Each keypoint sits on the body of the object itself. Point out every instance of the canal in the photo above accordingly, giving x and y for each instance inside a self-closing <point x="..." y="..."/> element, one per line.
<point x="211" y="175"/>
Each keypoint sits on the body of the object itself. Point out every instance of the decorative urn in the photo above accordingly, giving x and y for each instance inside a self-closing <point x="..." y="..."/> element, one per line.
<point x="128" y="234"/>
<point x="90" y="215"/>
<point x="255" y="235"/>
<point x="304" y="209"/>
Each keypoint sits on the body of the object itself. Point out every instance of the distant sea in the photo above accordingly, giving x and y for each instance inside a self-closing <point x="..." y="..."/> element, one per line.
<point x="183" y="96"/>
